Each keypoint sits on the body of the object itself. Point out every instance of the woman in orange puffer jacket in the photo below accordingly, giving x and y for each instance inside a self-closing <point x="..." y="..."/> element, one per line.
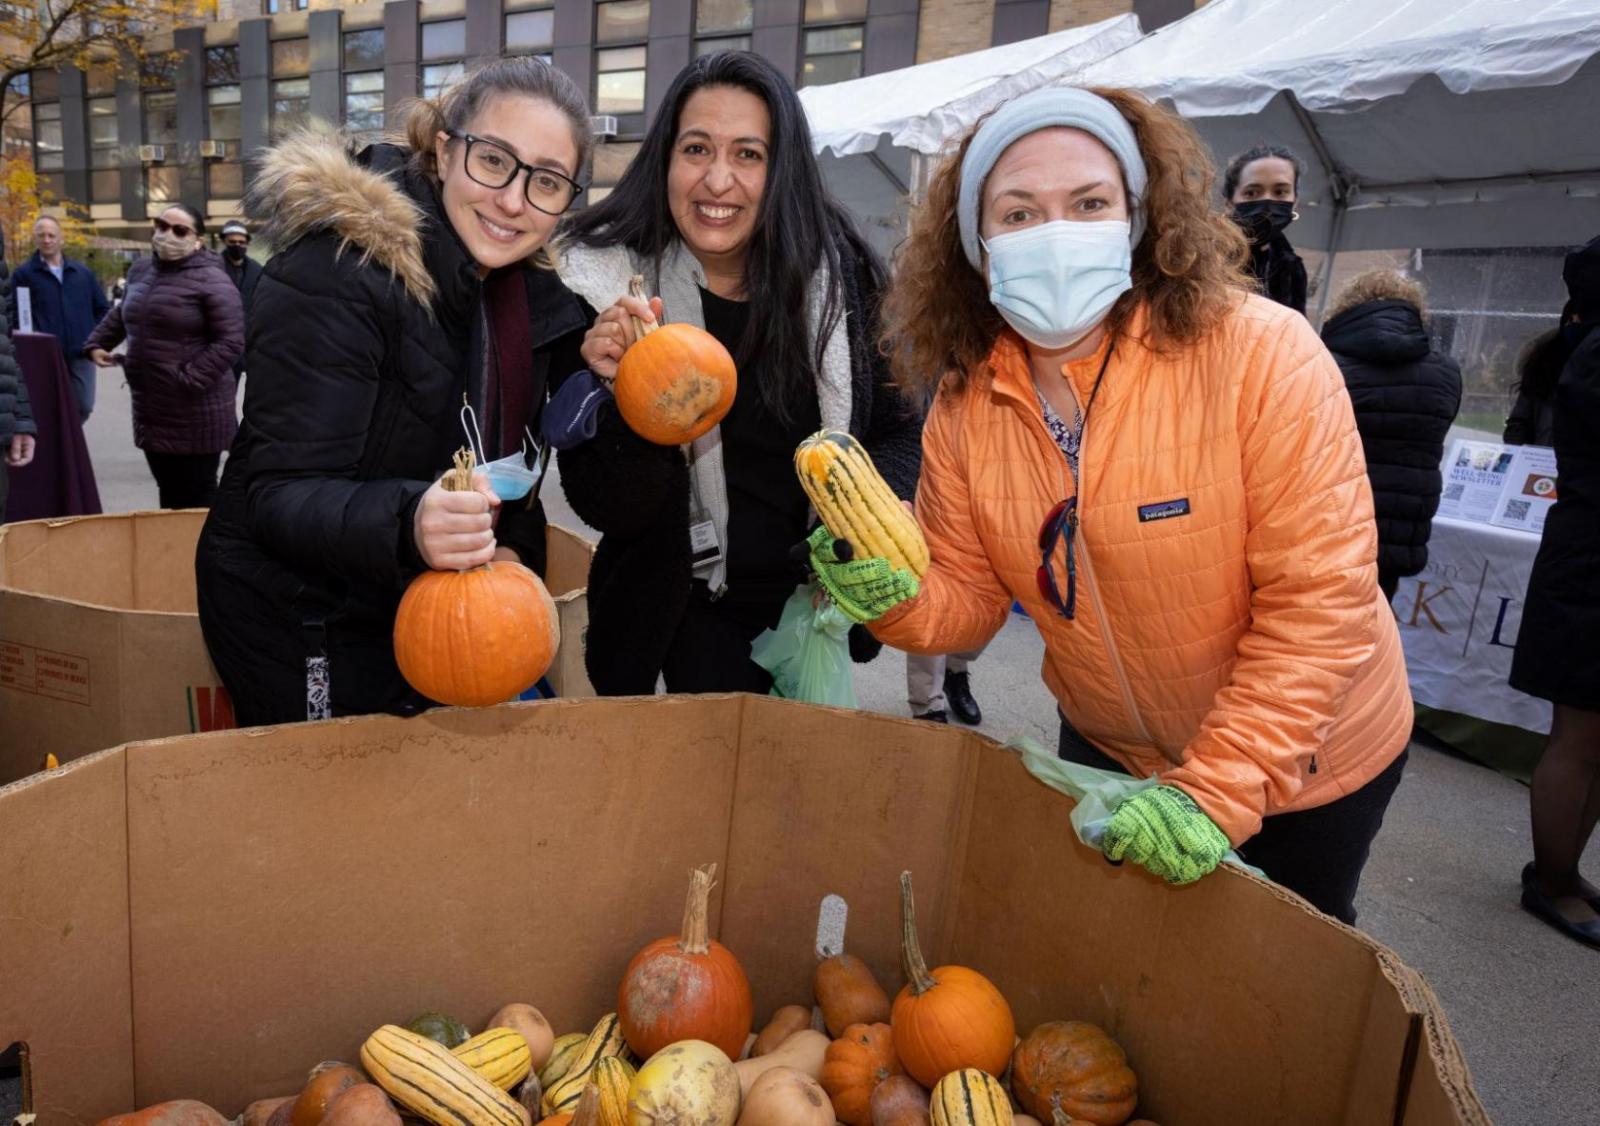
<point x="1165" y="471"/>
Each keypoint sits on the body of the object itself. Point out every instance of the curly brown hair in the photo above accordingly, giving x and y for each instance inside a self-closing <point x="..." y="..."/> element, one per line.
<point x="938" y="323"/>
<point x="1378" y="285"/>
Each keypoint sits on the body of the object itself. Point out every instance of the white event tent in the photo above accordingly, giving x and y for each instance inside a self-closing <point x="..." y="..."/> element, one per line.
<point x="871" y="134"/>
<point x="1424" y="123"/>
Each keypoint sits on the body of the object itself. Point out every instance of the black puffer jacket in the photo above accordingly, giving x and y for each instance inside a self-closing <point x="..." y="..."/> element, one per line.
<point x="365" y="332"/>
<point x="1281" y="272"/>
<point x="637" y="495"/>
<point x="16" y="415"/>
<point x="1405" y="397"/>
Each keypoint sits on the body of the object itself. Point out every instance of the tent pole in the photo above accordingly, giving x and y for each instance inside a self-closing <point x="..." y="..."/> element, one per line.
<point x="1326" y="281"/>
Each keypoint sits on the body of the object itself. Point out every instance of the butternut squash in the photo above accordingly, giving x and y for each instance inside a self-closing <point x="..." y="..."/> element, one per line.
<point x="805" y="1051"/>
<point x="786" y="1097"/>
<point x="784" y="1024"/>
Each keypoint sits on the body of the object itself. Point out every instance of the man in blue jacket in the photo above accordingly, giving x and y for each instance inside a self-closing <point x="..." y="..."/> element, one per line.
<point x="67" y="301"/>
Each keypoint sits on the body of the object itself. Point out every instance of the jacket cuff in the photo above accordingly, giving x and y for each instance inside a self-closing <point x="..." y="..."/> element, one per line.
<point x="410" y="557"/>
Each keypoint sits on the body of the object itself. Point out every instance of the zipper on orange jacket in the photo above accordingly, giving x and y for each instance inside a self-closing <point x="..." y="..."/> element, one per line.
<point x="1112" y="653"/>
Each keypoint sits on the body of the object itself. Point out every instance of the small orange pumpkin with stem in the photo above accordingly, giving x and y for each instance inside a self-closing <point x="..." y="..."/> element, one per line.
<point x="856" y="1063"/>
<point x="675" y="382"/>
<point x="686" y="987"/>
<point x="948" y="1019"/>
<point x="478" y="637"/>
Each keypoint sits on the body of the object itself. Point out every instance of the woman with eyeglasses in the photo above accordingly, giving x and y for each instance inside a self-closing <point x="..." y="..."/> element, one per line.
<point x="725" y="214"/>
<point x="184" y="331"/>
<point x="410" y="281"/>
<point x="1165" y="471"/>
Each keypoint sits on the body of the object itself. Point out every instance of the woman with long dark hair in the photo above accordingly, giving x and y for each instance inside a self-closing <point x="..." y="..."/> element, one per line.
<point x="724" y="213"/>
<point x="1261" y="186"/>
<point x="409" y="278"/>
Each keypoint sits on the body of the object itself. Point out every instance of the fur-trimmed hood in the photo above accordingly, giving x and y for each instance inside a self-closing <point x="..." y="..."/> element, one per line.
<point x="314" y="182"/>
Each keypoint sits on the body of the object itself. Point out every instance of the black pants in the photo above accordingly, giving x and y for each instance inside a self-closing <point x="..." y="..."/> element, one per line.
<point x="184" y="480"/>
<point x="1318" y="853"/>
<point x="711" y="650"/>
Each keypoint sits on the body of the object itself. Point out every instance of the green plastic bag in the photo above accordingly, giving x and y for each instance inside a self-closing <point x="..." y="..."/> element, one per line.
<point x="808" y="654"/>
<point x="1096" y="792"/>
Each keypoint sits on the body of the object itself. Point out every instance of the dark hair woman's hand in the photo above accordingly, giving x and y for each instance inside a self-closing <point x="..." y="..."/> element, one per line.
<point x="613" y="334"/>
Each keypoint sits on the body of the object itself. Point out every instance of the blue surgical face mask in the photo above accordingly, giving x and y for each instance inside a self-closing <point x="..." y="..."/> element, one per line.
<point x="509" y="478"/>
<point x="1055" y="282"/>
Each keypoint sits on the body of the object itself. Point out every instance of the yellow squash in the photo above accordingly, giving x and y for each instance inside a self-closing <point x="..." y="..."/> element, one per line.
<point x="613" y="1076"/>
<point x="970" y="1098"/>
<point x="500" y="1055"/>
<point x="856" y="503"/>
<point x="424" y="1077"/>
<point x="606" y="1040"/>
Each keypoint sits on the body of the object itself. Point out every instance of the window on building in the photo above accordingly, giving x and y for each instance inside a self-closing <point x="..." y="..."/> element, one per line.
<point x="722" y="43"/>
<point x="619" y="21"/>
<point x="225" y="180"/>
<point x="105" y="178"/>
<point x="712" y="17"/>
<point x="222" y="114"/>
<point x="101" y="81"/>
<point x="161" y="118"/>
<point x="831" y="11"/>
<point x="619" y="80"/>
<point x="273" y="7"/>
<point x="609" y="163"/>
<point x="437" y="77"/>
<point x="159" y="71"/>
<point x="291" y="105"/>
<point x="530" y="32"/>
<point x="44" y="86"/>
<point x="222" y="65"/>
<point x="446" y="39"/>
<point x="49" y="153"/>
<point x="163" y="185"/>
<point x="363" y="50"/>
<point x="363" y="102"/>
<point x="291" y="58"/>
<point x="832" y="54"/>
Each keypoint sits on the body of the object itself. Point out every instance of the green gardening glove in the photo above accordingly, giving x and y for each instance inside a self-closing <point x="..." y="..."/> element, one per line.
<point x="863" y="589"/>
<point x="1162" y="830"/>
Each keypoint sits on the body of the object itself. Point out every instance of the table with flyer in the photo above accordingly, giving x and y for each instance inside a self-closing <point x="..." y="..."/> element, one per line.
<point x="1460" y="615"/>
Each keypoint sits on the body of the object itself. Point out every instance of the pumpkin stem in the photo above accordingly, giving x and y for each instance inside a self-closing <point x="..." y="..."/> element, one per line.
<point x="695" y="937"/>
<point x="588" y="1112"/>
<point x="917" y="975"/>
<point x="1058" y="1117"/>
<point x="459" y="479"/>
<point x="636" y="289"/>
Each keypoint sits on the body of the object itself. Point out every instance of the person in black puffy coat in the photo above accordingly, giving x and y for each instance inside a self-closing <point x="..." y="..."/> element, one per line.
<point x="408" y="280"/>
<point x="725" y="215"/>
<point x="1558" y="644"/>
<point x="1405" y="396"/>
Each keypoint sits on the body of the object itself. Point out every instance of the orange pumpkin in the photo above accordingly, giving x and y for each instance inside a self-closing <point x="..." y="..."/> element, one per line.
<point x="1074" y="1067"/>
<point x="687" y="986"/>
<point x="947" y="1019"/>
<point x="856" y="1063"/>
<point x="675" y="382"/>
<point x="478" y="637"/>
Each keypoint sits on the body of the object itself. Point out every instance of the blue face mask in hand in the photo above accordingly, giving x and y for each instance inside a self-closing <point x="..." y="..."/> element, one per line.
<point x="509" y="478"/>
<point x="1053" y="283"/>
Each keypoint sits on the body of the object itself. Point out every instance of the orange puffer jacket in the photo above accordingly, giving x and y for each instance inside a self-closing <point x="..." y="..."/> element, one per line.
<point x="1229" y="632"/>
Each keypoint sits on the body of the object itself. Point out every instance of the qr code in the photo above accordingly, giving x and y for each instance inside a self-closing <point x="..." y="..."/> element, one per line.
<point x="1516" y="510"/>
<point x="1453" y="491"/>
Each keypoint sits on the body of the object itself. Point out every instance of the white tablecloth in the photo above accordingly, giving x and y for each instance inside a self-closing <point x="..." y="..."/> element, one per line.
<point x="1459" y="620"/>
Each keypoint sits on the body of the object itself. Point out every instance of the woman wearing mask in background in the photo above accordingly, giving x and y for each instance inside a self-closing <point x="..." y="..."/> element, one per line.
<point x="409" y="278"/>
<point x="1558" y="644"/>
<point x="1261" y="185"/>
<point x="1166" y="473"/>
<point x="185" y="328"/>
<point x="725" y="214"/>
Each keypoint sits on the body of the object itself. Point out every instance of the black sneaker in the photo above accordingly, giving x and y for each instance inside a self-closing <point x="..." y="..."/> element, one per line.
<point x="958" y="694"/>
<point x="933" y="717"/>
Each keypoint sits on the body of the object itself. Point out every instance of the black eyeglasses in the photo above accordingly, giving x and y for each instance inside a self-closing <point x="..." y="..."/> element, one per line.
<point x="495" y="166"/>
<point x="1060" y="523"/>
<point x="175" y="228"/>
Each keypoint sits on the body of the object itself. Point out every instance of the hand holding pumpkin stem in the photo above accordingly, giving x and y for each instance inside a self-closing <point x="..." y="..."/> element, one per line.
<point x="636" y="290"/>
<point x="454" y="522"/>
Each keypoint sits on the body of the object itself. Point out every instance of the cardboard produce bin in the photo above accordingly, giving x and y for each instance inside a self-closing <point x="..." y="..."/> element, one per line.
<point x="100" y="643"/>
<point x="208" y="916"/>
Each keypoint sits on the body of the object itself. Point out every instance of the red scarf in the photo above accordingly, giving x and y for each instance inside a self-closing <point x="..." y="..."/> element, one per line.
<point x="510" y="347"/>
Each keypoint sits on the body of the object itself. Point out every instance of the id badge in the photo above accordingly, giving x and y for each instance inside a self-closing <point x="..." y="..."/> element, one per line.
<point x="704" y="551"/>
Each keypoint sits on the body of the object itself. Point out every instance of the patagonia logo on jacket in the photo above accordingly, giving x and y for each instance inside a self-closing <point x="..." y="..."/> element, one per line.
<point x="1163" y="510"/>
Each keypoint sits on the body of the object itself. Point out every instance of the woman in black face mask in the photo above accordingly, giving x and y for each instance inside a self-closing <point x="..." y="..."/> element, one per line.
<point x="1262" y="184"/>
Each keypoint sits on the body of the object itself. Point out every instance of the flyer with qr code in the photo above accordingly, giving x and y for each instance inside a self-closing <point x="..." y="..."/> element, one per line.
<point x="1530" y="490"/>
<point x="1475" y="474"/>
